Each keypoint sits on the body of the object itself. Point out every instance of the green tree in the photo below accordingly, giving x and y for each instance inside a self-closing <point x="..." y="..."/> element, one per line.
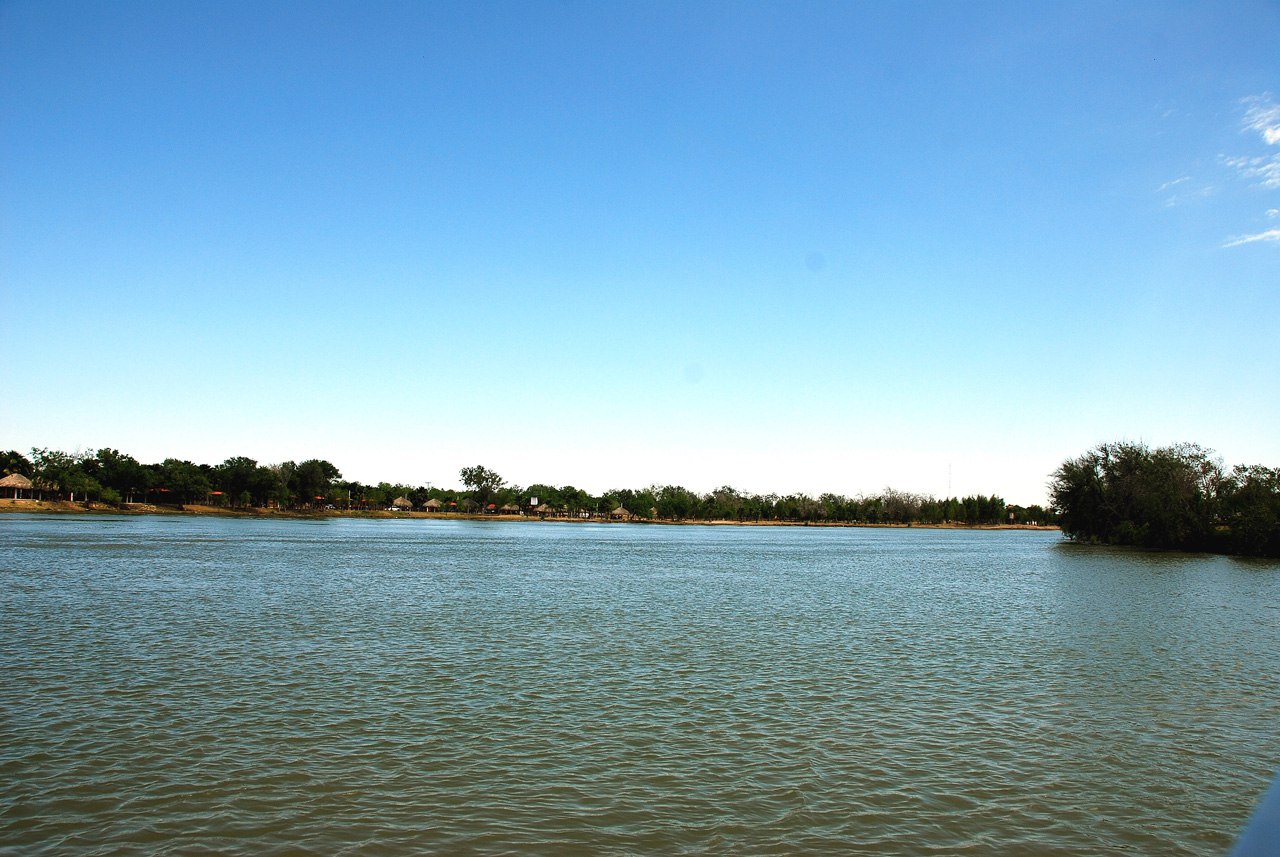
<point x="638" y="503"/>
<point x="184" y="480"/>
<point x="234" y="476"/>
<point x="1250" y="504"/>
<point x="119" y="472"/>
<point x="575" y="499"/>
<point x="311" y="479"/>
<point x="76" y="481"/>
<point x="1127" y="493"/>
<point x="15" y="462"/>
<point x="1078" y="492"/>
<point x="356" y="494"/>
<point x="265" y="486"/>
<point x="54" y="470"/>
<point x="546" y="494"/>
<point x="675" y="502"/>
<point x="484" y="482"/>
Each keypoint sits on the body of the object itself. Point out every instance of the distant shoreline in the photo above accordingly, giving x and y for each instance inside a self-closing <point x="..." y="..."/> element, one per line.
<point x="64" y="507"/>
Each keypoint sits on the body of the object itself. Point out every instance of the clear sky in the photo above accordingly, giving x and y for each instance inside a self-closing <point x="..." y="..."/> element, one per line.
<point x="786" y="247"/>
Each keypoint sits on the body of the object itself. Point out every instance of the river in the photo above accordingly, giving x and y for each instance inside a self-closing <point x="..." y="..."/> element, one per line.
<point x="246" y="686"/>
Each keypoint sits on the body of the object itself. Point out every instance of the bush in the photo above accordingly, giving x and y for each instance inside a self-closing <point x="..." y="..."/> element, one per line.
<point x="1174" y="497"/>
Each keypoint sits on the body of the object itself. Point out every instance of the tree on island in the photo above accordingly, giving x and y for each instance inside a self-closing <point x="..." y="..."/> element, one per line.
<point x="1250" y="508"/>
<point x="1174" y="497"/>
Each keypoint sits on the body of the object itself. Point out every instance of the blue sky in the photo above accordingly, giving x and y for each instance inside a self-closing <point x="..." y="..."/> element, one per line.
<point x="784" y="247"/>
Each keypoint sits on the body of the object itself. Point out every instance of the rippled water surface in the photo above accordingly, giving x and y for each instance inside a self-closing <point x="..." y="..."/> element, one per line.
<point x="193" y="686"/>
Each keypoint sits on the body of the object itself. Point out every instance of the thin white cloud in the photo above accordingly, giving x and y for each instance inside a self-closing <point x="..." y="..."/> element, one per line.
<point x="1264" y="117"/>
<point x="1168" y="185"/>
<point x="1261" y="114"/>
<point x="1189" y="195"/>
<point x="1269" y="235"/>
<point x="1266" y="170"/>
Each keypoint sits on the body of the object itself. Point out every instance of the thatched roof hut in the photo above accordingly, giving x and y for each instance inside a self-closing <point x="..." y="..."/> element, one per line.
<point x="510" y="510"/>
<point x="17" y="482"/>
<point x="432" y="505"/>
<point x="620" y="513"/>
<point x="403" y="503"/>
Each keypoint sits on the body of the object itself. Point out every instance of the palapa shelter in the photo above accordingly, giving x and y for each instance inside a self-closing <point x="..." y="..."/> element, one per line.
<point x="17" y="482"/>
<point x="432" y="505"/>
<point x="402" y="503"/>
<point x="510" y="510"/>
<point x="620" y="514"/>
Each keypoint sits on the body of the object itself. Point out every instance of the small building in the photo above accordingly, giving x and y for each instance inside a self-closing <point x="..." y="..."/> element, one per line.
<point x="432" y="505"/>
<point x="404" y="504"/>
<point x="16" y="482"/>
<point x="620" y="514"/>
<point x="510" y="510"/>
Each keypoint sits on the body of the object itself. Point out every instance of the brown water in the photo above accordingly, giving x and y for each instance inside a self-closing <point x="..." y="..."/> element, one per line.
<point x="193" y="686"/>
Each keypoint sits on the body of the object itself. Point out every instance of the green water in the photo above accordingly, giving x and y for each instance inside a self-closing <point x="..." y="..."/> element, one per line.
<point x="188" y="686"/>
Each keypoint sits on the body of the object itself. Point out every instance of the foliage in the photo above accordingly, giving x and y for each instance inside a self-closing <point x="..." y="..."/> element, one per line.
<point x="235" y="477"/>
<point x="1250" y="509"/>
<point x="59" y="471"/>
<point x="241" y="482"/>
<point x="118" y="473"/>
<point x="310" y="481"/>
<point x="483" y="482"/>
<point x="184" y="481"/>
<point x="1175" y="497"/>
<point x="15" y="462"/>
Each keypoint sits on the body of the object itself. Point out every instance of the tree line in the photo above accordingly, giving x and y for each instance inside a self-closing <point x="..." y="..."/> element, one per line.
<point x="114" y="478"/>
<point x="1175" y="497"/>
